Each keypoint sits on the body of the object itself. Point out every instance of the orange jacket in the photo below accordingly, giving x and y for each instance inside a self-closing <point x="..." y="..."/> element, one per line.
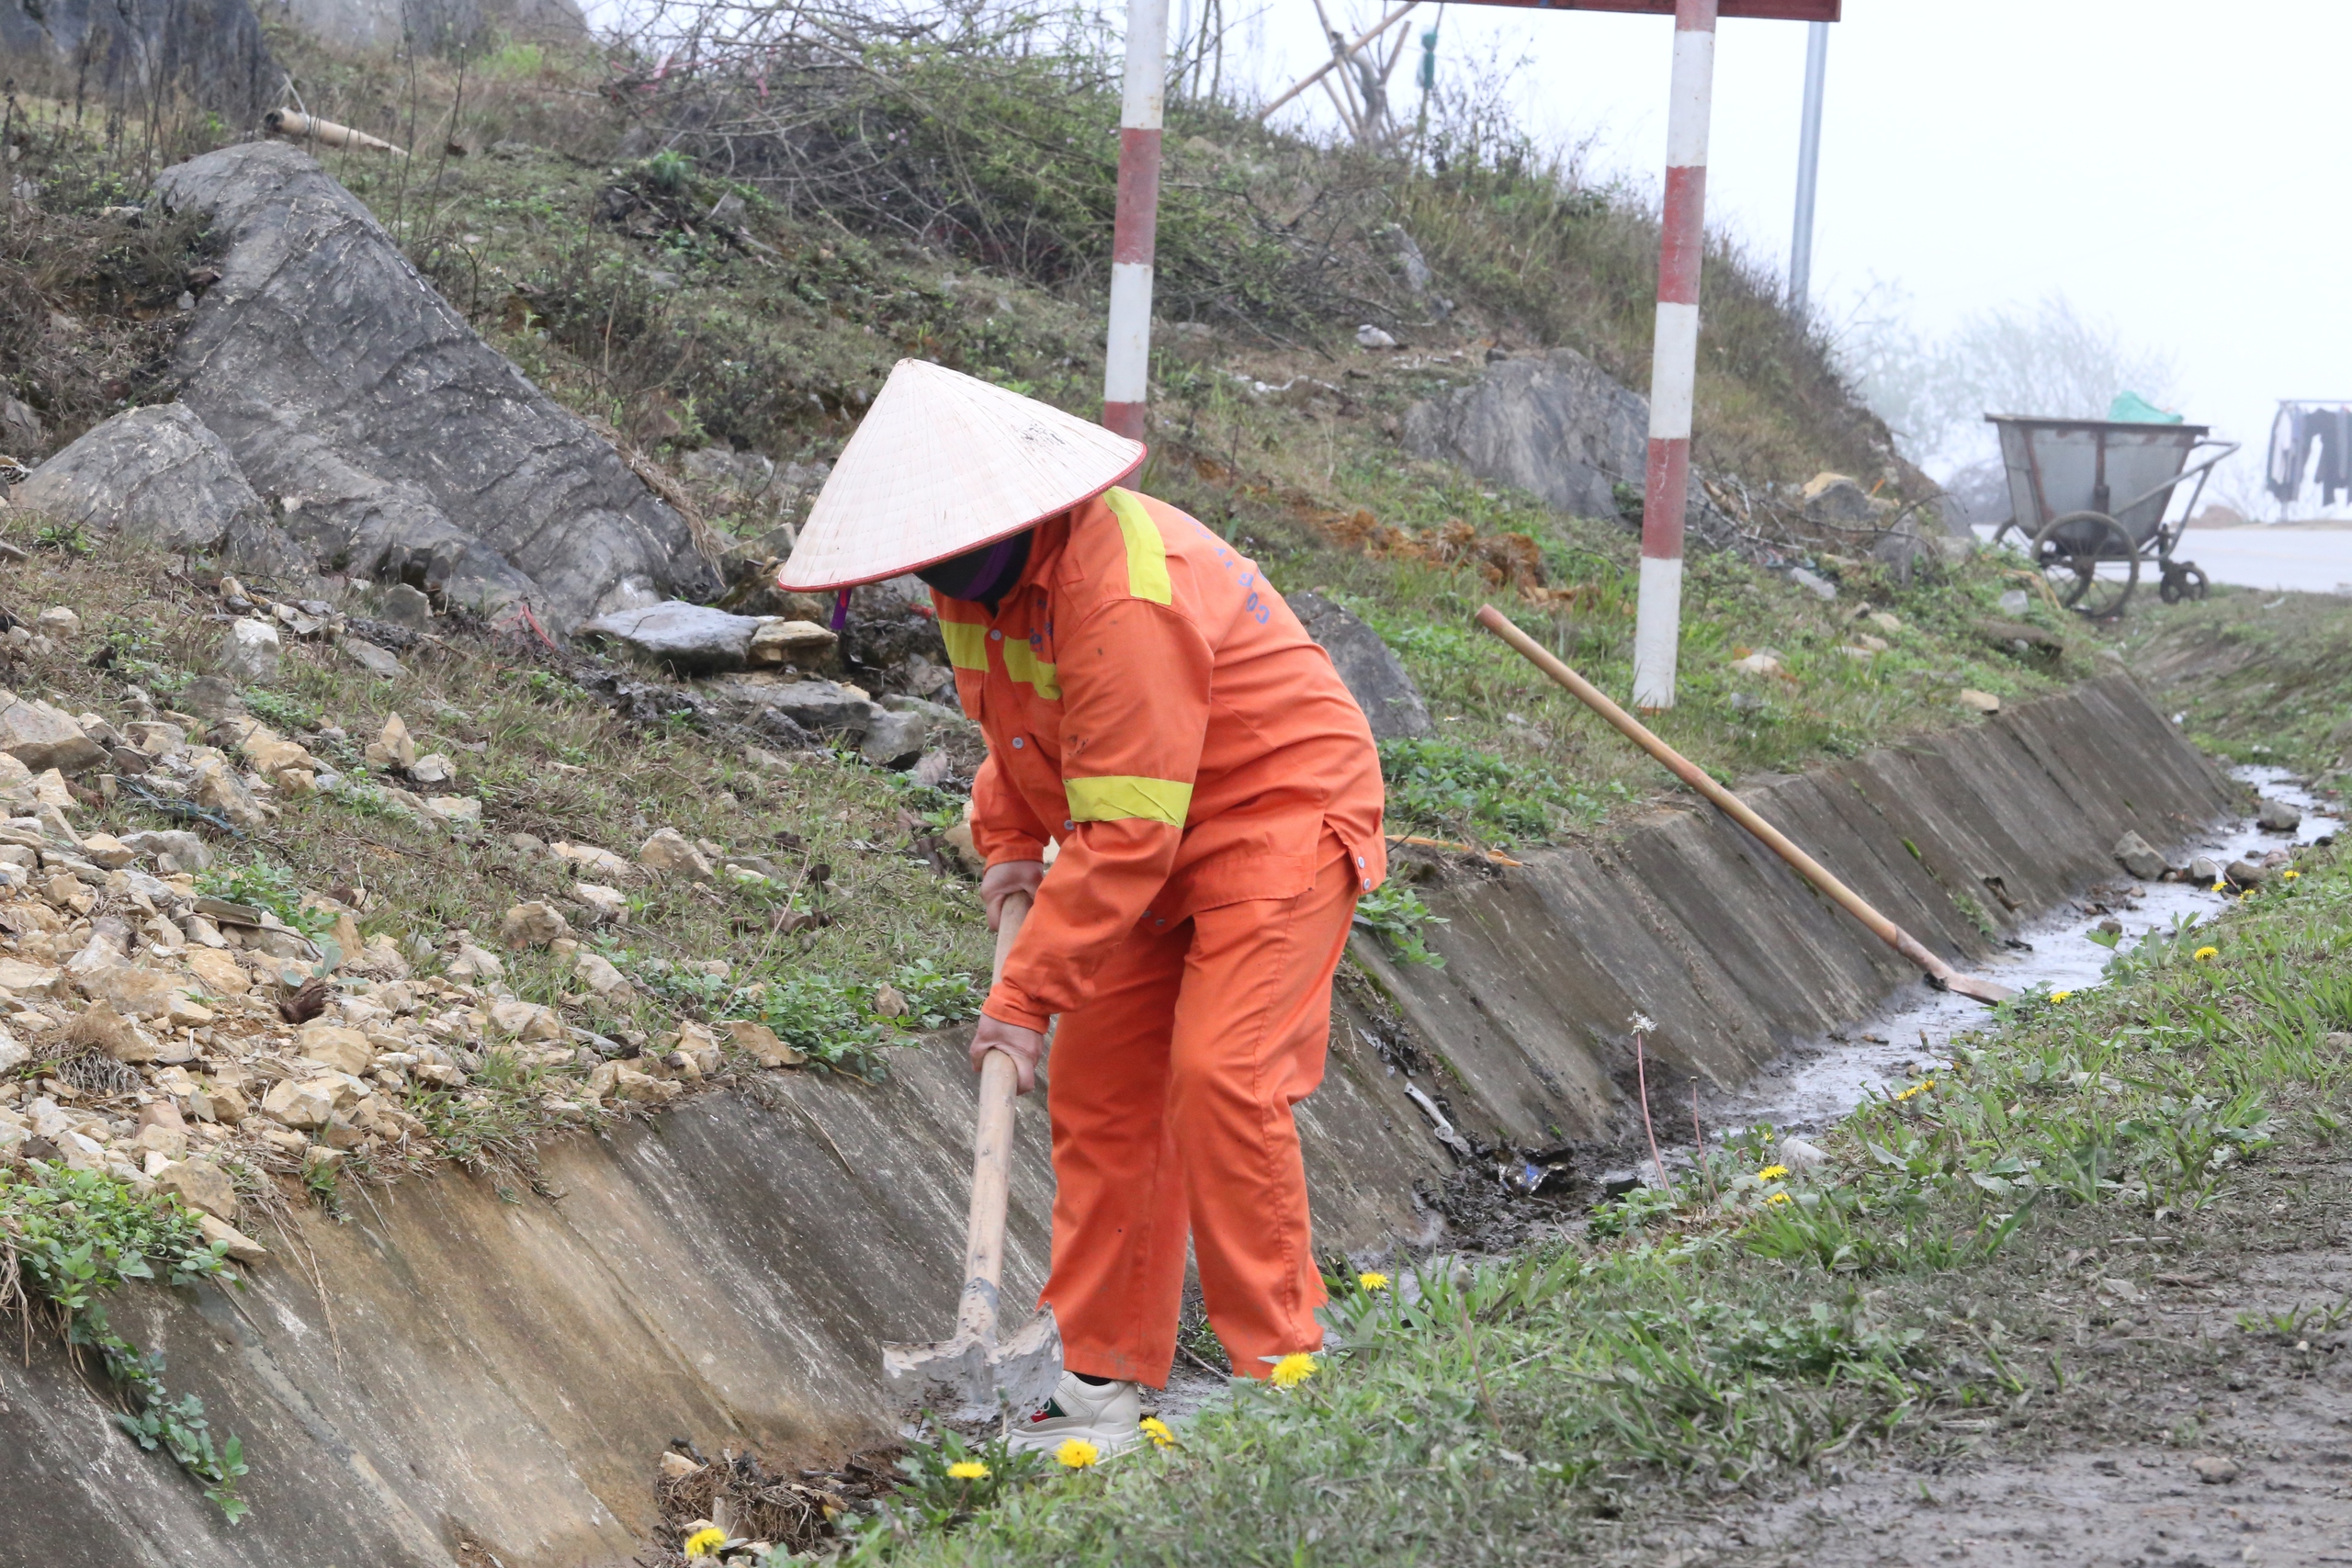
<point x="1153" y="706"/>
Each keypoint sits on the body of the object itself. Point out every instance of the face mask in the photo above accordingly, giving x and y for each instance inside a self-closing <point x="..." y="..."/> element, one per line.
<point x="983" y="576"/>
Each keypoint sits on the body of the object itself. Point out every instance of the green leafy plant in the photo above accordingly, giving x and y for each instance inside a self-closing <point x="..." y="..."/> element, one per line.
<point x="66" y="538"/>
<point x="1447" y="790"/>
<point x="1397" y="913"/>
<point x="277" y="709"/>
<point x="835" y="1021"/>
<point x="76" y="1236"/>
<point x="263" y="885"/>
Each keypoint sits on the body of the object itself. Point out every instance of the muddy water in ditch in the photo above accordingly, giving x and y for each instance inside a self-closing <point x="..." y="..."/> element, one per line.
<point x="1818" y="1084"/>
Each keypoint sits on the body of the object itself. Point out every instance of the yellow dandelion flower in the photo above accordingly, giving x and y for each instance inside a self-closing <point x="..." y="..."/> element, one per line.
<point x="1156" y="1430"/>
<point x="1915" y="1090"/>
<point x="1371" y="1280"/>
<point x="967" y="1470"/>
<point x="705" y="1542"/>
<point x="2221" y="888"/>
<point x="1772" y="1173"/>
<point x="2289" y="875"/>
<point x="1780" y="1198"/>
<point x="1077" y="1454"/>
<point x="2060" y="996"/>
<point x="1292" y="1369"/>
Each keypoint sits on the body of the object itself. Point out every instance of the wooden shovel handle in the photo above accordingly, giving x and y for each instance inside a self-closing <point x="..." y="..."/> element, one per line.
<point x="1738" y="810"/>
<point x="991" y="1156"/>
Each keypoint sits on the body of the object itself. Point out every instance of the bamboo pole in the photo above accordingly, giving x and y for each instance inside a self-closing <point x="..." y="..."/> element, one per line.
<point x="1941" y="975"/>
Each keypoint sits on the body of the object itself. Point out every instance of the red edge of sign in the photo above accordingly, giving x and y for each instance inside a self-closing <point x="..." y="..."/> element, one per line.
<point x="1772" y="10"/>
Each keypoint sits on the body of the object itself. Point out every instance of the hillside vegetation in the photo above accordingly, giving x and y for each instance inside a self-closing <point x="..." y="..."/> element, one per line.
<point x="722" y="270"/>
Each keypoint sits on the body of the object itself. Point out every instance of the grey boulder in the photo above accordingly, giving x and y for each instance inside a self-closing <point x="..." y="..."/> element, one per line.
<point x="693" y="640"/>
<point x="2278" y="816"/>
<point x="2139" y="857"/>
<point x="1377" y="677"/>
<point x="156" y="475"/>
<point x="1556" y="424"/>
<point x="397" y="444"/>
<point x="43" y="738"/>
<point x="822" y="706"/>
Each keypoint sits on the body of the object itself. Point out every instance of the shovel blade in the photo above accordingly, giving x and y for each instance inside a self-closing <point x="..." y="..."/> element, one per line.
<point x="1984" y="991"/>
<point x="972" y="1378"/>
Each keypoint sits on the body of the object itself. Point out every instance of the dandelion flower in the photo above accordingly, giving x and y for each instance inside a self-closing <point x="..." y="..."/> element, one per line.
<point x="2289" y="875"/>
<point x="1915" y="1090"/>
<point x="2060" y="996"/>
<point x="2205" y="954"/>
<point x="1371" y="1280"/>
<point x="1780" y="1198"/>
<point x="1156" y="1430"/>
<point x="705" y="1542"/>
<point x="1772" y="1173"/>
<point x="2221" y="888"/>
<point x="967" y="1470"/>
<point x="1292" y="1369"/>
<point x="1077" y="1454"/>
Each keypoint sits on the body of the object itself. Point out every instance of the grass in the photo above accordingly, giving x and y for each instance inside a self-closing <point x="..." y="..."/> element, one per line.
<point x="2258" y="677"/>
<point x="857" y="909"/>
<point x="1751" y="1329"/>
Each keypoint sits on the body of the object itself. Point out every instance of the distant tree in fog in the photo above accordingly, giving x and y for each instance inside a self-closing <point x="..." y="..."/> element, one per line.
<point x="2044" y="359"/>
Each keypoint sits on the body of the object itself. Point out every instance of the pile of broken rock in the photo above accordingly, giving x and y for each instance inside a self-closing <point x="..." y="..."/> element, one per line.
<point x="188" y="1044"/>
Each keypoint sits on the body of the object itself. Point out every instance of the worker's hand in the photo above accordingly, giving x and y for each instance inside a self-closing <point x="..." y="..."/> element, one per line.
<point x="1024" y="1046"/>
<point x="1004" y="879"/>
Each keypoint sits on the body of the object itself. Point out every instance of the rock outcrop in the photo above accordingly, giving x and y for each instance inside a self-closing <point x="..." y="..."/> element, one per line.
<point x="157" y="474"/>
<point x="1377" y="677"/>
<point x="210" y="52"/>
<point x="395" y="443"/>
<point x="1556" y="424"/>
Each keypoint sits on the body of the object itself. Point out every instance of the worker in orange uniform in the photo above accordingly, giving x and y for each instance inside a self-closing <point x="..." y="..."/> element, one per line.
<point x="1154" y="708"/>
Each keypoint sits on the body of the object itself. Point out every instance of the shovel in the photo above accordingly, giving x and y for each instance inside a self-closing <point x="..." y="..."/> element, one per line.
<point x="973" y="1371"/>
<point x="1941" y="975"/>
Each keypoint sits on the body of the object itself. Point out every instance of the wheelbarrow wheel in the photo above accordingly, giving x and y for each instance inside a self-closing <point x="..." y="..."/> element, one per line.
<point x="2183" y="579"/>
<point x="2091" y="563"/>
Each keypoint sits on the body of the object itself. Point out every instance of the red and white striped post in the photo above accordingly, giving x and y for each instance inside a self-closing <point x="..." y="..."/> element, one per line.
<point x="1674" y="356"/>
<point x="1126" y="360"/>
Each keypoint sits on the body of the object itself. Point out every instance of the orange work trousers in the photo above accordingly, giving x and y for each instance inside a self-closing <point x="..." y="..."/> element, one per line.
<point x="1171" y="1095"/>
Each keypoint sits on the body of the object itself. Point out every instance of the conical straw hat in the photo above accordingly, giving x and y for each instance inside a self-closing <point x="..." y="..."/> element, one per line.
<point x="943" y="464"/>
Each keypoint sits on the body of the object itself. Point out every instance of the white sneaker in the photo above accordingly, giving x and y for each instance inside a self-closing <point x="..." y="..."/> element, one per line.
<point x="1108" y="1416"/>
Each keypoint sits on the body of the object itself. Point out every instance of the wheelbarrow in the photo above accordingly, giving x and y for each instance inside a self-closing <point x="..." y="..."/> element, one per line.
<point x="2091" y="495"/>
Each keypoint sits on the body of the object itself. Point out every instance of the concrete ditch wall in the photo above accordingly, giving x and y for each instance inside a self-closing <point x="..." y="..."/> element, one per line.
<point x="1686" y="919"/>
<point x="505" y="1368"/>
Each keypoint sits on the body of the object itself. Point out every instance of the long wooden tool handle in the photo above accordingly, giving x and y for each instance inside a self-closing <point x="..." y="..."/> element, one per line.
<point x="1738" y="810"/>
<point x="991" y="1158"/>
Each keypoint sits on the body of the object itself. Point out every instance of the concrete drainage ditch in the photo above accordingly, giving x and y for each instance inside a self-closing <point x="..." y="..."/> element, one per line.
<point x="504" y="1369"/>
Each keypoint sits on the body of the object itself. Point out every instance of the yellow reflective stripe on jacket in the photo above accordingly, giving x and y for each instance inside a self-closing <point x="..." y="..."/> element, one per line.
<point x="1020" y="663"/>
<point x="1120" y="798"/>
<point x="967" y="643"/>
<point x="1146" y="551"/>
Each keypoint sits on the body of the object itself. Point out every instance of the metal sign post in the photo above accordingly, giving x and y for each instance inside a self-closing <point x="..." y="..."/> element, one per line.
<point x="1674" y="359"/>
<point x="1817" y="71"/>
<point x="1126" y="360"/>
<point x="1674" y="355"/>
